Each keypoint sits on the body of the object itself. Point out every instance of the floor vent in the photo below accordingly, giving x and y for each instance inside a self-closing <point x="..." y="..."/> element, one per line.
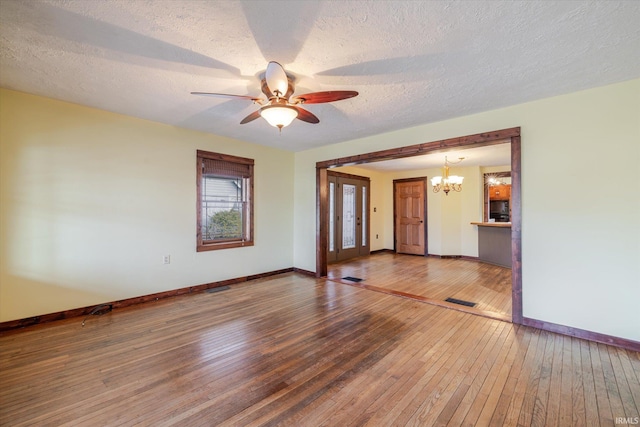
<point x="218" y="289"/>
<point x="461" y="302"/>
<point x="352" y="279"/>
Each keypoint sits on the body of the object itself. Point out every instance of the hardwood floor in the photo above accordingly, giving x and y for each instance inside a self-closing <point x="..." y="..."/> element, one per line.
<point x="433" y="280"/>
<point x="294" y="350"/>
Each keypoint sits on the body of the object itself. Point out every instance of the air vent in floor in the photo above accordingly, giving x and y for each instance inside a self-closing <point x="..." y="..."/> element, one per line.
<point x="352" y="279"/>
<point x="461" y="302"/>
<point x="218" y="289"/>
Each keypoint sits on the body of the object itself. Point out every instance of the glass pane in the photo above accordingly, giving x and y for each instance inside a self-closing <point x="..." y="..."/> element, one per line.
<point x="348" y="216"/>
<point x="223" y="206"/>
<point x="332" y="214"/>
<point x="364" y="216"/>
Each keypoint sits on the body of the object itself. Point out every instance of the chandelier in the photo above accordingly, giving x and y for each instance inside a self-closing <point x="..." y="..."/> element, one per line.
<point x="447" y="182"/>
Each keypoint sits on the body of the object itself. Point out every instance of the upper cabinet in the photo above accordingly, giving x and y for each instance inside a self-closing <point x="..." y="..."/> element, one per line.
<point x="500" y="192"/>
<point x="497" y="188"/>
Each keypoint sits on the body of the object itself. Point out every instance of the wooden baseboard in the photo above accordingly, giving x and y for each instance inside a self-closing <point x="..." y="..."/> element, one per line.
<point x="305" y="272"/>
<point x="85" y="311"/>
<point x="383" y="251"/>
<point x="581" y="333"/>
<point x="464" y="257"/>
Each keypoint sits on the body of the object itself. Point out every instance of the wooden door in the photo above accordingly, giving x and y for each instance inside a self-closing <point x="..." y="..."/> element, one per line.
<point x="409" y="205"/>
<point x="348" y="216"/>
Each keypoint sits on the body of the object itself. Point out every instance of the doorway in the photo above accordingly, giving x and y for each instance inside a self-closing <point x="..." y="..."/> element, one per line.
<point x="511" y="136"/>
<point x="410" y="216"/>
<point x="348" y="217"/>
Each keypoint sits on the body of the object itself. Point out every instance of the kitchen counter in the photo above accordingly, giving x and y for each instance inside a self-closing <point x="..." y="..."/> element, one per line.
<point x="493" y="224"/>
<point x="494" y="242"/>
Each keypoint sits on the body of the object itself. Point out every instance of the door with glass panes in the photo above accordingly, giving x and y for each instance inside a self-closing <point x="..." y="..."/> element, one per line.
<point x="348" y="216"/>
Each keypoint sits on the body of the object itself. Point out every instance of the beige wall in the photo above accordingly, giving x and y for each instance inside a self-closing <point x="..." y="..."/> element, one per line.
<point x="580" y="202"/>
<point x="449" y="231"/>
<point x="91" y="201"/>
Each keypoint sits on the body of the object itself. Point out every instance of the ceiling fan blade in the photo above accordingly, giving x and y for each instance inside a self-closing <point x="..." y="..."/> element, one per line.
<point x="225" y="95"/>
<point x="251" y="117"/>
<point x="306" y="116"/>
<point x="322" y="97"/>
<point x="276" y="79"/>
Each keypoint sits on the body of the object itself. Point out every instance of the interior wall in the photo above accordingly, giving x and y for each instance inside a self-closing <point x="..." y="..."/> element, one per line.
<point x="580" y="233"/>
<point x="449" y="229"/>
<point x="91" y="201"/>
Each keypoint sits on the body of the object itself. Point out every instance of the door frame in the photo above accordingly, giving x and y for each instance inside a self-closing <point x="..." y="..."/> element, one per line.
<point x="511" y="136"/>
<point x="364" y="230"/>
<point x="424" y="209"/>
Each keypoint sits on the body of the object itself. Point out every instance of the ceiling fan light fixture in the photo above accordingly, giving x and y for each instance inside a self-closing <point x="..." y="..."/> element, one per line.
<point x="279" y="115"/>
<point x="280" y="107"/>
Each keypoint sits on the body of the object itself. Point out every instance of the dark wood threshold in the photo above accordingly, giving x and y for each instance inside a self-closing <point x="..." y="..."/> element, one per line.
<point x="440" y="303"/>
<point x="85" y="311"/>
<point x="581" y="333"/>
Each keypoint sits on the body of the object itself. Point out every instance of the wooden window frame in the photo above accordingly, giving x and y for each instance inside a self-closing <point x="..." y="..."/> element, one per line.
<point x="248" y="237"/>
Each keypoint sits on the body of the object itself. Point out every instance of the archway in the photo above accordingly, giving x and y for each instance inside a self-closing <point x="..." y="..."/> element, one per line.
<point x="511" y="136"/>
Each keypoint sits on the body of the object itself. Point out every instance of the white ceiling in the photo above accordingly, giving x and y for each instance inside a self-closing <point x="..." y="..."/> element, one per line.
<point x="413" y="62"/>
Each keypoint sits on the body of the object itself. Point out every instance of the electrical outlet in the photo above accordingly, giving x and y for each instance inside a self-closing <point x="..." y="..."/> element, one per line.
<point x="166" y="259"/>
<point x="376" y="236"/>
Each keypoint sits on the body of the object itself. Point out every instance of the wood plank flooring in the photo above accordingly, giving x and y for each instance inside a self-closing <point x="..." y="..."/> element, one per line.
<point x="435" y="279"/>
<point x="298" y="351"/>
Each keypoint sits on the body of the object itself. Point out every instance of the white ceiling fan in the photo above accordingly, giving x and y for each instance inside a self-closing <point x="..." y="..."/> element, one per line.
<point x="281" y="107"/>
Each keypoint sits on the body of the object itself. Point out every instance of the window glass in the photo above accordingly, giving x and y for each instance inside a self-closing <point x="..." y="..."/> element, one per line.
<point x="225" y="201"/>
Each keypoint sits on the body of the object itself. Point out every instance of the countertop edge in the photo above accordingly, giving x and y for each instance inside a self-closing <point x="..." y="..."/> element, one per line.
<point x="493" y="224"/>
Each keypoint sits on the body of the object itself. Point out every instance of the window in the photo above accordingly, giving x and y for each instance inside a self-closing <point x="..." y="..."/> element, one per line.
<point x="225" y="201"/>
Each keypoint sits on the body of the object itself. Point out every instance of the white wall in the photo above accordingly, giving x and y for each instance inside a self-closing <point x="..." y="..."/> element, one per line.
<point x="91" y="201"/>
<point x="580" y="230"/>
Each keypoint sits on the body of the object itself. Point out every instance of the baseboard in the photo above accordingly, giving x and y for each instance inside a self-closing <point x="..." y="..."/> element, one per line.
<point x="85" y="311"/>
<point x="464" y="257"/>
<point x="305" y="272"/>
<point x="383" y="251"/>
<point x="581" y="333"/>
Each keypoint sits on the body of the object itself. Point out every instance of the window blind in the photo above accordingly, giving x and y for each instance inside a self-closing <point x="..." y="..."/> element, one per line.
<point x="225" y="168"/>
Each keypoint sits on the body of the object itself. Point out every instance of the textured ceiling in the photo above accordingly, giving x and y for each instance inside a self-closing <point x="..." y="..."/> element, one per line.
<point x="413" y="62"/>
